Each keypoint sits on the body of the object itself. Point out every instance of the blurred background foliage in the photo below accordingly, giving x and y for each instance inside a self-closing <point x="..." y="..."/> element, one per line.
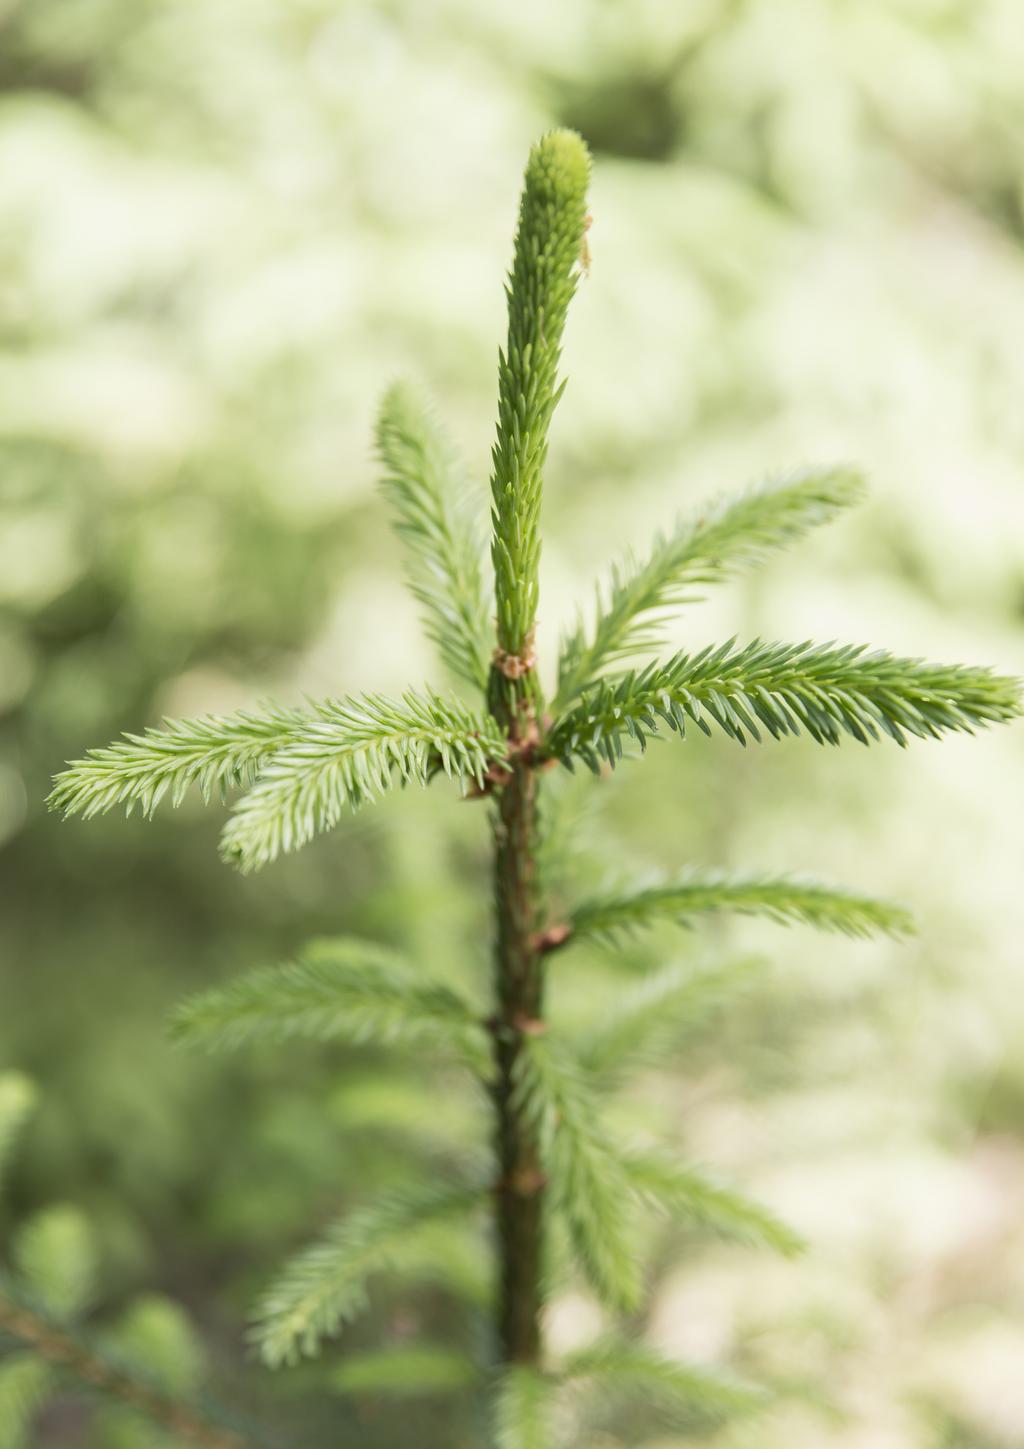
<point x="224" y="228"/>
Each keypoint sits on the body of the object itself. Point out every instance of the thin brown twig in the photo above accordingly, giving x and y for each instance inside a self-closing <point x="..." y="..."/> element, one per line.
<point x="65" y="1352"/>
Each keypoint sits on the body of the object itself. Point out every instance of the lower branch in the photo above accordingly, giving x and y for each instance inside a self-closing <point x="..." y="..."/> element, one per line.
<point x="65" y="1352"/>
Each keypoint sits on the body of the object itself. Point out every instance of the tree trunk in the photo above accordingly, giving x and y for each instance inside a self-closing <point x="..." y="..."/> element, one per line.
<point x="518" y="993"/>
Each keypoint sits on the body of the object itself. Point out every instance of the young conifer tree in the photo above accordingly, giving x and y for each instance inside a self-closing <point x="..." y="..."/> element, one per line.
<point x="553" y="1168"/>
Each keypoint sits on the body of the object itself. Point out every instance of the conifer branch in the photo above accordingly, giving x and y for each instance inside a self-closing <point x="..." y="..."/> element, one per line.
<point x="702" y="550"/>
<point x="825" y="691"/>
<point x="66" y="1353"/>
<point x="647" y="1019"/>
<point x="56" y="1258"/>
<point x="522" y="1412"/>
<point x="588" y="1185"/>
<point x="675" y="1188"/>
<point x="215" y="752"/>
<point x="680" y="1391"/>
<point x="156" y="1335"/>
<point x="540" y="288"/>
<point x="324" y="1286"/>
<point x="341" y="990"/>
<point x="422" y="484"/>
<point x="351" y="754"/>
<point x="786" y="900"/>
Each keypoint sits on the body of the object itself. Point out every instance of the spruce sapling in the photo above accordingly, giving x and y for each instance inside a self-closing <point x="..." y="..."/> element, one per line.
<point x="553" y="1163"/>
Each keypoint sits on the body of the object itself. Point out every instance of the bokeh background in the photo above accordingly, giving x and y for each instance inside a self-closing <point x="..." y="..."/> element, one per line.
<point x="224" y="228"/>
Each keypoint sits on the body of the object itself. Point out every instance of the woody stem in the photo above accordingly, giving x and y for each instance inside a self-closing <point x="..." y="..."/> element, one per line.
<point x="518" y="990"/>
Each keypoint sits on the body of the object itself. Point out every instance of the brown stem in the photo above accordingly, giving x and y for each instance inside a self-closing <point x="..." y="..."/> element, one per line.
<point x="65" y="1352"/>
<point x="519" y="1192"/>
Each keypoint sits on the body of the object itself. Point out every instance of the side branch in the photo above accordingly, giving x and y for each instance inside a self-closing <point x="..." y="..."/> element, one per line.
<point x="216" y="752"/>
<point x="701" y="550"/>
<point x="97" y="1372"/>
<point x="422" y="481"/>
<point x="786" y="900"/>
<point x="352" y="753"/>
<point x="825" y="691"/>
<point x="553" y="937"/>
